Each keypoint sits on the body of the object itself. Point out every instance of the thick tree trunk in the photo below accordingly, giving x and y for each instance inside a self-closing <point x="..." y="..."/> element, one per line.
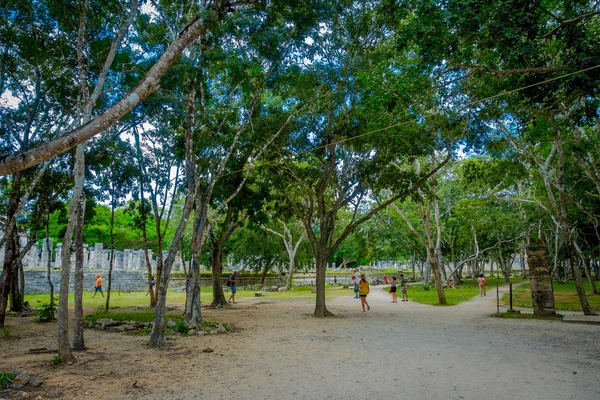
<point x="11" y="251"/>
<point x="217" y="275"/>
<point x="436" y="276"/>
<point x="64" y="349"/>
<point x="78" y="341"/>
<point x="16" y="296"/>
<point x="320" y="304"/>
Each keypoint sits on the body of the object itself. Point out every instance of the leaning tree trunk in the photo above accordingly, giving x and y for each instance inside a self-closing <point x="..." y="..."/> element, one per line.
<point x="78" y="342"/>
<point x="158" y="329"/>
<point x="436" y="276"/>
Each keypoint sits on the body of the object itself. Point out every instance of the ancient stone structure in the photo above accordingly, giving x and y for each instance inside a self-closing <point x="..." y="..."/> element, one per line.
<point x="542" y="296"/>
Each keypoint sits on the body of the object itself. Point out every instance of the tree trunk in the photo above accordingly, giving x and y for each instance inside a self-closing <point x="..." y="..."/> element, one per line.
<point x="320" y="305"/>
<point x="49" y="263"/>
<point x="112" y="252"/>
<point x="64" y="349"/>
<point x="158" y="329"/>
<point x="78" y="342"/>
<point x="16" y="297"/>
<point x="10" y="252"/>
<point x="436" y="276"/>
<point x="588" y="272"/>
<point x="217" y="275"/>
<point x="288" y="281"/>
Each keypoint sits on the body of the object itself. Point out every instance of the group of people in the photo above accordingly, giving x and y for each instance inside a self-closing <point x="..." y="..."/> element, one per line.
<point x="361" y="288"/>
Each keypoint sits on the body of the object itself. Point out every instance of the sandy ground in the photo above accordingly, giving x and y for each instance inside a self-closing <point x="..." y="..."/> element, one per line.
<point x="279" y="351"/>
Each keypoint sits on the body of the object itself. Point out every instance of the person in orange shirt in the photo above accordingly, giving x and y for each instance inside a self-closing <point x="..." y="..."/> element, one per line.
<point x="98" y="286"/>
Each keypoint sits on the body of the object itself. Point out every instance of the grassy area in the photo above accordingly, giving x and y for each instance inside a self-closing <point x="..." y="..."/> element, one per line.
<point x="139" y="299"/>
<point x="565" y="297"/>
<point x="130" y="314"/>
<point x="464" y="291"/>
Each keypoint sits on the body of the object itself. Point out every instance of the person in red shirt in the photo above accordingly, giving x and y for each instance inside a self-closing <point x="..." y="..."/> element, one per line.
<point x="482" y="285"/>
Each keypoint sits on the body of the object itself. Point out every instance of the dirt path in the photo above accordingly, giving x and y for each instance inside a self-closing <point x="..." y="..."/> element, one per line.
<point x="280" y="351"/>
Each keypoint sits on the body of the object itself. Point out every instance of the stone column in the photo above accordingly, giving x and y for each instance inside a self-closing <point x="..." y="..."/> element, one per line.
<point x="542" y="296"/>
<point x="98" y="256"/>
<point x="45" y="253"/>
<point x="58" y="253"/>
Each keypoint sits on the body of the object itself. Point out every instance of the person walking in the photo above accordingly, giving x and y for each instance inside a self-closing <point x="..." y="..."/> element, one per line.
<point x="393" y="289"/>
<point x="153" y="282"/>
<point x="231" y="282"/>
<point x="363" y="291"/>
<point x="482" y="285"/>
<point x="355" y="284"/>
<point x="98" y="286"/>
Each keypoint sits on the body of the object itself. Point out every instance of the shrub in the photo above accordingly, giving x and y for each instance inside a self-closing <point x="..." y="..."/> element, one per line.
<point x="426" y="287"/>
<point x="46" y="311"/>
<point x="5" y="332"/>
<point x="56" y="360"/>
<point x="6" y="379"/>
<point x="182" y="327"/>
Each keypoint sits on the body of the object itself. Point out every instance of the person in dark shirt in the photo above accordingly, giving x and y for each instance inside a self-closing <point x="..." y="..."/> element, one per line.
<point x="232" y="282"/>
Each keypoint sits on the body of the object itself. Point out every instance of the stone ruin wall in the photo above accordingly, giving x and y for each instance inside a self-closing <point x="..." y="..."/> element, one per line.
<point x="95" y="257"/>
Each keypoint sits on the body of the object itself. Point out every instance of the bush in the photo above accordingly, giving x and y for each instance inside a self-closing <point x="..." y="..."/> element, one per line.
<point x="182" y="327"/>
<point x="46" y="311"/>
<point x="56" y="360"/>
<point x="426" y="287"/>
<point x="6" y="378"/>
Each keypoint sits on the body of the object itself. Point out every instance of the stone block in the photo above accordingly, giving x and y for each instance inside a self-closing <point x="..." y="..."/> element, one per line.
<point x="266" y="289"/>
<point x="221" y="329"/>
<point x="258" y="294"/>
<point x="274" y="288"/>
<point x="282" y="289"/>
<point x="313" y="290"/>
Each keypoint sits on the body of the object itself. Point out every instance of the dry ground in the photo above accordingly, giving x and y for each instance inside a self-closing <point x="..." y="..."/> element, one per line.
<point x="279" y="351"/>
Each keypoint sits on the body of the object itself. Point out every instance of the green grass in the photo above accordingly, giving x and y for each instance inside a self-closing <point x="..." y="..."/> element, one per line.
<point x="130" y="314"/>
<point x="139" y="299"/>
<point x="464" y="291"/>
<point x="565" y="297"/>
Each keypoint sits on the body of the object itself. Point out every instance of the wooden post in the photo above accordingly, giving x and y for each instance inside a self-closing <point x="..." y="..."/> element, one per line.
<point x="542" y="296"/>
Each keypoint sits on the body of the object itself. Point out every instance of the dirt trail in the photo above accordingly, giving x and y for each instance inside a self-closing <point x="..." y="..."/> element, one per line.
<point x="280" y="351"/>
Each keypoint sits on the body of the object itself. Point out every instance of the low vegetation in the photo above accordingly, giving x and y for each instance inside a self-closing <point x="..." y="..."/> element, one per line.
<point x="565" y="297"/>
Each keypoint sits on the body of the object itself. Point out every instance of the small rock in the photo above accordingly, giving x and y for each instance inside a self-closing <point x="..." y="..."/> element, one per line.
<point x="24" y="395"/>
<point x="21" y="380"/>
<point x="39" y="398"/>
<point x="258" y="294"/>
<point x="221" y="329"/>
<point x="36" y="381"/>
<point x="200" y="333"/>
<point x="274" y="288"/>
<point x="313" y="290"/>
<point x="207" y="350"/>
<point x="213" y="332"/>
<point x="266" y="289"/>
<point x="171" y="323"/>
<point x="192" y="332"/>
<point x="282" y="289"/>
